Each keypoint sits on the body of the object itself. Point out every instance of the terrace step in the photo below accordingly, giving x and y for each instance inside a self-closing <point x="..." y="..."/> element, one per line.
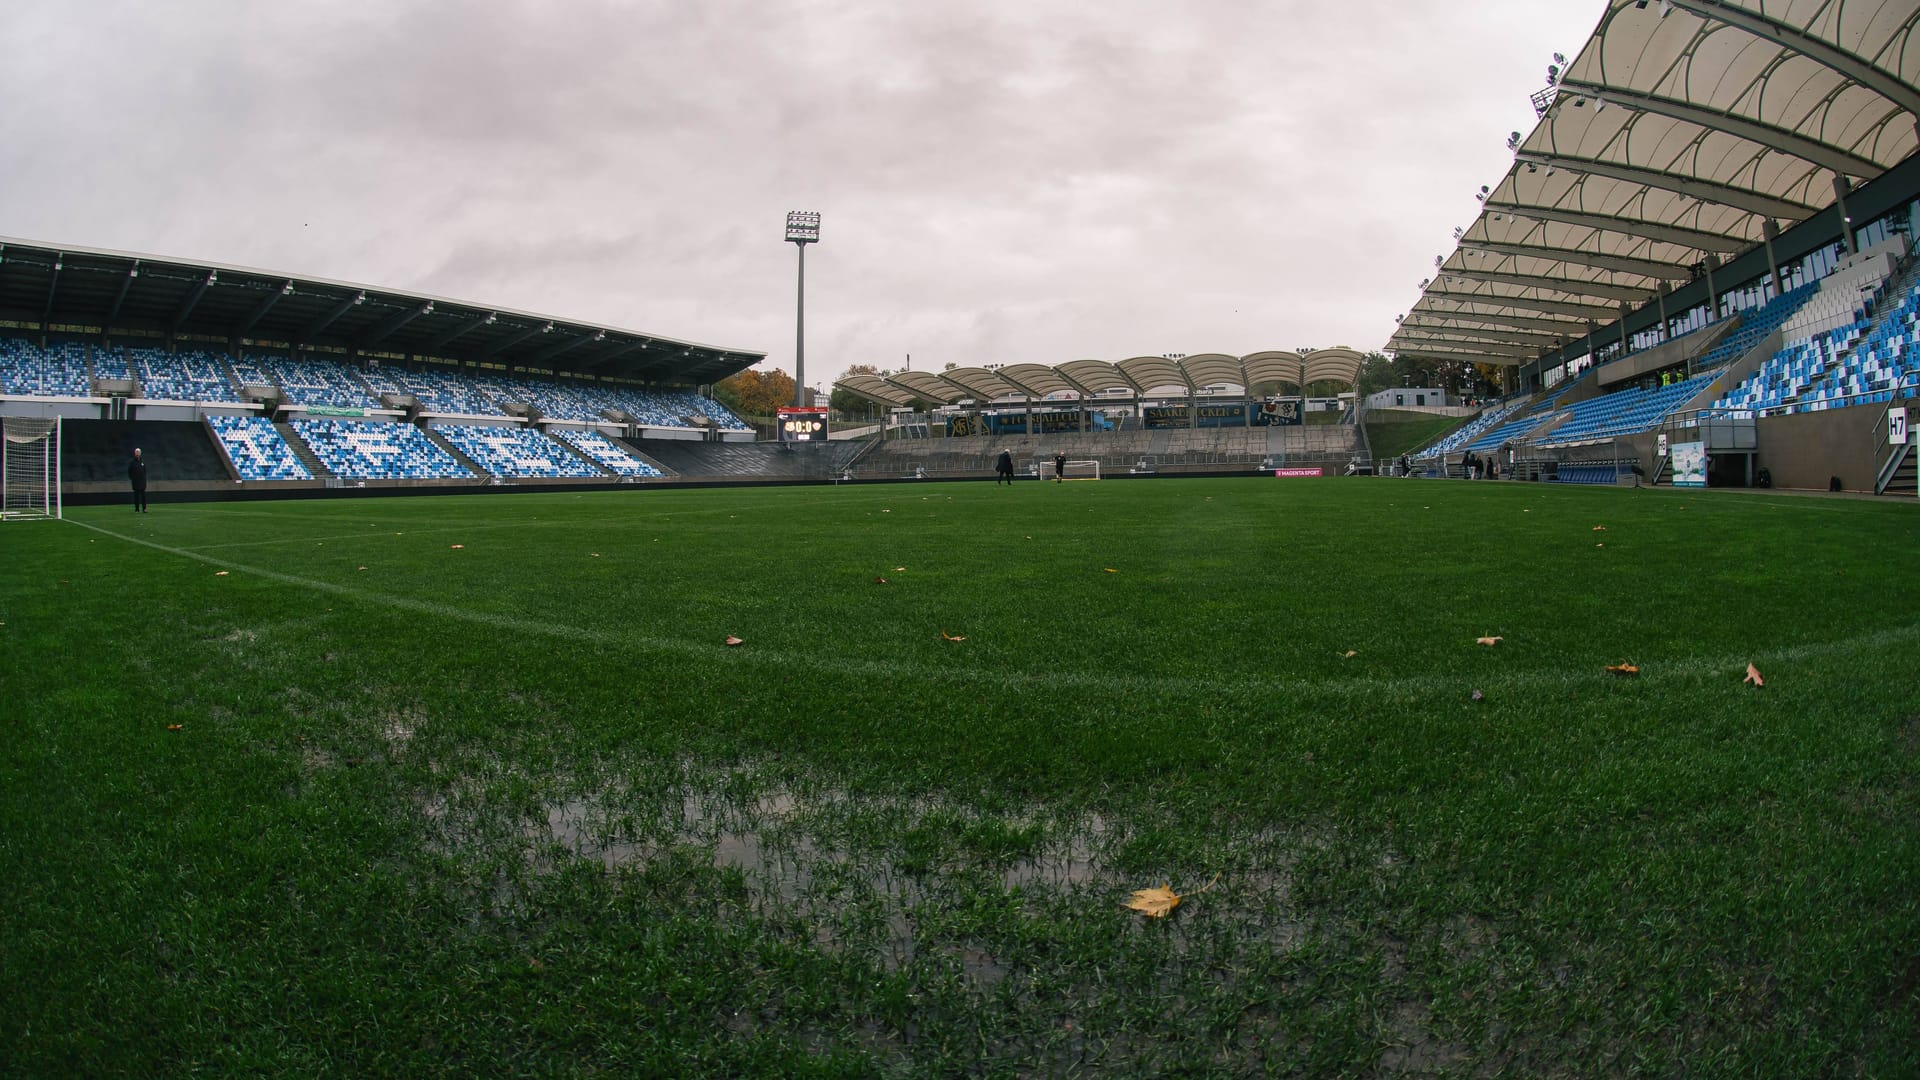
<point x="455" y="452"/>
<point x="302" y="451"/>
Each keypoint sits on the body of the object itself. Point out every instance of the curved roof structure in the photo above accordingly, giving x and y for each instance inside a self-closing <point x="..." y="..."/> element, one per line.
<point x="48" y="285"/>
<point x="1138" y="376"/>
<point x="1685" y="131"/>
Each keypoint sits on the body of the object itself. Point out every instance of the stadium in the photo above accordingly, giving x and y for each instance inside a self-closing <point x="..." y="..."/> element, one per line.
<point x="483" y="694"/>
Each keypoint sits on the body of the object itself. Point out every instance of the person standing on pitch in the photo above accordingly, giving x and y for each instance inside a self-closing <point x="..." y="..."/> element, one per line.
<point x="1003" y="468"/>
<point x="1059" y="467"/>
<point x="137" y="476"/>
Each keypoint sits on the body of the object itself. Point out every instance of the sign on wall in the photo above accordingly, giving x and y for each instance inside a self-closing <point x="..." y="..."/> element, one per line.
<point x="1897" y="426"/>
<point x="1690" y="464"/>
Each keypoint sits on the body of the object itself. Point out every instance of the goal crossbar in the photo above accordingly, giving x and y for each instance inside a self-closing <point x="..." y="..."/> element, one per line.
<point x="1088" y="469"/>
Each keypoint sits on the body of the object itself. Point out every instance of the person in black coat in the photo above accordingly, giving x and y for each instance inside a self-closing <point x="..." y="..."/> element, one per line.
<point x="137" y="476"/>
<point x="1059" y="467"/>
<point x="1003" y="468"/>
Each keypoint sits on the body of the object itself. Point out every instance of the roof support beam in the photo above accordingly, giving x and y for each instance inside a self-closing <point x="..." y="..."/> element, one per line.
<point x="1852" y="66"/>
<point x="1444" y="356"/>
<point x="1556" y="327"/>
<point x="1518" y="352"/>
<point x="260" y="310"/>
<point x="506" y="343"/>
<point x="333" y="313"/>
<point x="192" y="301"/>
<point x="1649" y="230"/>
<point x="1552" y="307"/>
<point x="558" y="347"/>
<point x="53" y="286"/>
<point x="1623" y="264"/>
<point x="393" y="322"/>
<point x="1497" y="334"/>
<point x="608" y="356"/>
<point x="1570" y="286"/>
<point x="432" y="348"/>
<point x="1752" y="202"/>
<point x="120" y="297"/>
<point x="1771" y="136"/>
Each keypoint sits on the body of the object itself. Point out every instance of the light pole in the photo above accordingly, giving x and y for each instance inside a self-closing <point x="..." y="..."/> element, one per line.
<point x="803" y="228"/>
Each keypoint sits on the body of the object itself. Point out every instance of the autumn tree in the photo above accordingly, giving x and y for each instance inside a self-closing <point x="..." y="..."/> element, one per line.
<point x="755" y="393"/>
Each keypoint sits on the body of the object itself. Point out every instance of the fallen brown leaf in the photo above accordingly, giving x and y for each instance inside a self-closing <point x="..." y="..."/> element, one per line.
<point x="1111" y="570"/>
<point x="1488" y="640"/>
<point x="952" y="637"/>
<point x="897" y="569"/>
<point x="1753" y="676"/>
<point x="731" y="640"/>
<point x="1349" y="654"/>
<point x="1599" y="528"/>
<point x="1623" y="669"/>
<point x="173" y="727"/>
<point x="457" y="547"/>
<point x="1158" y="903"/>
<point x="879" y="581"/>
<point x="219" y="573"/>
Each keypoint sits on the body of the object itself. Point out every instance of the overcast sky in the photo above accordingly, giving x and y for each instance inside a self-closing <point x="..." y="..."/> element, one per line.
<point x="1001" y="180"/>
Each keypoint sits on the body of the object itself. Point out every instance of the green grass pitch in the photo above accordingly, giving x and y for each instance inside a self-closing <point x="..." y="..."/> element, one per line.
<point x="474" y="786"/>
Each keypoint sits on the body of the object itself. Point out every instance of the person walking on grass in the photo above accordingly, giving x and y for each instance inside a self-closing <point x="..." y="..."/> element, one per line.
<point x="137" y="476"/>
<point x="1003" y="468"/>
<point x="1059" y="467"/>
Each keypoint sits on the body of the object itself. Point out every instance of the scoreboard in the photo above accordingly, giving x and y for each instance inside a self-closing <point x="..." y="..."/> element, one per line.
<point x="803" y="424"/>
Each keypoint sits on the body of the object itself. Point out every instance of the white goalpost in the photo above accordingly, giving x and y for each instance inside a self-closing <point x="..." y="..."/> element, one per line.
<point x="29" y="468"/>
<point x="1075" y="470"/>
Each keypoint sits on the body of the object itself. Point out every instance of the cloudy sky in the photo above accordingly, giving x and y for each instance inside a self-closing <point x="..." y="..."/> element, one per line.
<point x="1001" y="180"/>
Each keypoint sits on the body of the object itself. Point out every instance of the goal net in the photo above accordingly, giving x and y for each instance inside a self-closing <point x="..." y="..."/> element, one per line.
<point x="29" y="468"/>
<point x="1075" y="470"/>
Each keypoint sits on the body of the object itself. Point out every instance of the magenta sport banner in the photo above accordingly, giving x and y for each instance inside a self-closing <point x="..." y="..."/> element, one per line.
<point x="1285" y="473"/>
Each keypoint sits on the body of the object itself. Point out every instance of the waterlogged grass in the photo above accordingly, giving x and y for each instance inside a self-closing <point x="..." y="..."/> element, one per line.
<point x="512" y="807"/>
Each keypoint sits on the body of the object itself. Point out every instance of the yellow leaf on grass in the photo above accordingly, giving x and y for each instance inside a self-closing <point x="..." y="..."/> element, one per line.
<point x="1623" y="669"/>
<point x="219" y="573"/>
<point x="1349" y="654"/>
<point x="897" y="569"/>
<point x="1599" y="528"/>
<point x="1488" y="640"/>
<point x="173" y="727"/>
<point x="457" y="547"/>
<point x="1111" y="570"/>
<point x="952" y="637"/>
<point x="1753" y="676"/>
<point x="1158" y="903"/>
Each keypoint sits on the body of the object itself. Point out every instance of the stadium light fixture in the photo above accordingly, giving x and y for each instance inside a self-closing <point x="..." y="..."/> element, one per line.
<point x="803" y="228"/>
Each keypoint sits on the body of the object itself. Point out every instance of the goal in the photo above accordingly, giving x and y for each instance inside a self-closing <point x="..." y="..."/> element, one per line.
<point x="29" y="468"/>
<point x="1076" y="470"/>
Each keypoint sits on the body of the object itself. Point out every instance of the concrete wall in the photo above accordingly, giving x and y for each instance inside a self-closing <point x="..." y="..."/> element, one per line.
<point x="1805" y="450"/>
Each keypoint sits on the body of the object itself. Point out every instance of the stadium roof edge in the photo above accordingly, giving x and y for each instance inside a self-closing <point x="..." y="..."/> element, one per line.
<point x="126" y="292"/>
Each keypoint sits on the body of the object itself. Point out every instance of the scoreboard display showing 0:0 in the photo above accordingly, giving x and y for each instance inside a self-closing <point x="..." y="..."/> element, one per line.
<point x="803" y="424"/>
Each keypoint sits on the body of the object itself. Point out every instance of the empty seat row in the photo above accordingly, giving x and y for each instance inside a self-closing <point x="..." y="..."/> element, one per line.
<point x="378" y="451"/>
<point x="256" y="448"/>
<point x="516" y="452"/>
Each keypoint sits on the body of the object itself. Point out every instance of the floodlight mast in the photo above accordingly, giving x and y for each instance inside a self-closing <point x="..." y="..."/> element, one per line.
<point x="803" y="228"/>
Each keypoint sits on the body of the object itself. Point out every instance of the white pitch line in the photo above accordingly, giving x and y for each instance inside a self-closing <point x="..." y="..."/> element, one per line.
<point x="1663" y="670"/>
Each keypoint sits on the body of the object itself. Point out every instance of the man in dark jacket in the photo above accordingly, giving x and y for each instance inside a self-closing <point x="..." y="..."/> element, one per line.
<point x="1003" y="468"/>
<point x="1059" y="467"/>
<point x="137" y="476"/>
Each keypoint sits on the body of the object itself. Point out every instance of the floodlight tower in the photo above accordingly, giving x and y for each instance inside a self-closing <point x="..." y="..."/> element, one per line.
<point x="803" y="228"/>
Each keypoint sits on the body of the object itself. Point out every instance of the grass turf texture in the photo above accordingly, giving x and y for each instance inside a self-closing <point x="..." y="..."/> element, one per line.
<point x="1392" y="432"/>
<point x="512" y="807"/>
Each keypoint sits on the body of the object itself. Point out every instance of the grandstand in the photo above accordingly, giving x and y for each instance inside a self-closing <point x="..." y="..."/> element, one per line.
<point x="354" y="450"/>
<point x="256" y="449"/>
<point x="517" y="453"/>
